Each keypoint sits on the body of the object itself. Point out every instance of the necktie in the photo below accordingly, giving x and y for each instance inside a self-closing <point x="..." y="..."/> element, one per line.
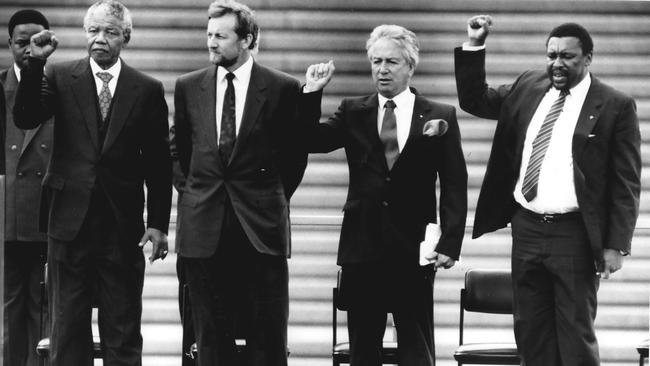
<point x="105" y="94"/>
<point x="227" y="134"/>
<point x="388" y="134"/>
<point x="540" y="145"/>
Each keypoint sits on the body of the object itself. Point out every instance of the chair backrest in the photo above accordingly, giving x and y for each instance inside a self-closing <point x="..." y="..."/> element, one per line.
<point x="487" y="291"/>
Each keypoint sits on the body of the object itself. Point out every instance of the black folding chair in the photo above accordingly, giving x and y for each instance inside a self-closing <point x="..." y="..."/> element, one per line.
<point x="486" y="291"/>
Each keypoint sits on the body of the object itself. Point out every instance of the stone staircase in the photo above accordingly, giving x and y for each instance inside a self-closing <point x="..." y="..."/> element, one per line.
<point x="169" y="40"/>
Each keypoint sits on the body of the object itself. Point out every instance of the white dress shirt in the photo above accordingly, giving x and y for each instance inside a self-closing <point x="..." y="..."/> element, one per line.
<point x="555" y="188"/>
<point x="17" y="72"/>
<point x="240" y="83"/>
<point x="404" y="103"/>
<point x="113" y="70"/>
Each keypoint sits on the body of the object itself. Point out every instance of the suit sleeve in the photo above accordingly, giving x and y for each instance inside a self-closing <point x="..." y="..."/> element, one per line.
<point x="33" y="104"/>
<point x="319" y="137"/>
<point x="452" y="173"/>
<point x="293" y="159"/>
<point x="474" y="94"/>
<point x="157" y="162"/>
<point x="180" y="139"/>
<point x="625" y="179"/>
<point x="3" y="129"/>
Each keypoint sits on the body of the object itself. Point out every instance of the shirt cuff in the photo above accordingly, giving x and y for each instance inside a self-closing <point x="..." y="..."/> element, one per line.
<point x="467" y="47"/>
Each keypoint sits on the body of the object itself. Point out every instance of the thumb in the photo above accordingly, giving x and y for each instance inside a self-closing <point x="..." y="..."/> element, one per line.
<point x="605" y="274"/>
<point x="143" y="240"/>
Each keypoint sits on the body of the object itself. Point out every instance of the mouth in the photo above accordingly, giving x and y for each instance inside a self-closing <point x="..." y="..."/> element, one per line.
<point x="384" y="81"/>
<point x="559" y="77"/>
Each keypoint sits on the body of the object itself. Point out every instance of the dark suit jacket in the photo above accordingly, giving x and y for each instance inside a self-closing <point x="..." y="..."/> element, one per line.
<point x="262" y="174"/>
<point x="135" y="150"/>
<point x="386" y="212"/>
<point x="27" y="154"/>
<point x="606" y="151"/>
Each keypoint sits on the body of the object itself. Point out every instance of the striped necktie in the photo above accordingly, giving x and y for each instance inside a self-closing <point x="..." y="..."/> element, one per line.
<point x="540" y="145"/>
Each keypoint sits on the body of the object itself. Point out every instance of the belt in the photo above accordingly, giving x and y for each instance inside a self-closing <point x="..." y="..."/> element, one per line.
<point x="551" y="218"/>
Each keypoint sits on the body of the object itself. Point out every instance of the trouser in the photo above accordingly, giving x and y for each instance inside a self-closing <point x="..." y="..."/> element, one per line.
<point x="375" y="289"/>
<point x="239" y="293"/>
<point x="100" y="268"/>
<point x="24" y="269"/>
<point x="555" y="286"/>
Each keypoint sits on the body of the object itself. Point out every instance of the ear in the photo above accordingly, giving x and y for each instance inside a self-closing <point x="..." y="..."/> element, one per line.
<point x="588" y="59"/>
<point x="127" y="37"/>
<point x="246" y="41"/>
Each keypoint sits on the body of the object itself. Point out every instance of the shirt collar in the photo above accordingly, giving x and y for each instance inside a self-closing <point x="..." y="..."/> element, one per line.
<point x="243" y="72"/>
<point x="113" y="70"/>
<point x="400" y="99"/>
<point x="582" y="87"/>
<point x="17" y="71"/>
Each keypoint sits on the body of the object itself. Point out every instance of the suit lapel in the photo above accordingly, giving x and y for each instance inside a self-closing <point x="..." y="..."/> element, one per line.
<point x="85" y="92"/>
<point x="255" y="99"/>
<point x="11" y="85"/>
<point x="588" y="117"/>
<point x="206" y="100"/>
<point x="125" y="97"/>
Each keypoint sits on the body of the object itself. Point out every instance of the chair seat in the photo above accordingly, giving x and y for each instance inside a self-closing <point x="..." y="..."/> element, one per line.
<point x="43" y="348"/>
<point x="488" y="353"/>
<point x="341" y="352"/>
<point x="643" y="348"/>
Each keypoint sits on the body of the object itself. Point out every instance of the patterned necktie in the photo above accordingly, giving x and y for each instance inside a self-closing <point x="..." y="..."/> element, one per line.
<point x="105" y="94"/>
<point x="227" y="134"/>
<point x="540" y="145"/>
<point x="388" y="135"/>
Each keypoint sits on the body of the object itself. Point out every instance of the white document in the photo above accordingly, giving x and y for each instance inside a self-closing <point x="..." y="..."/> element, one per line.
<point x="431" y="237"/>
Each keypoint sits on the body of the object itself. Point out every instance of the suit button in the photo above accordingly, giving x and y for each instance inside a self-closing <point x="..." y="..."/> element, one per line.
<point x="43" y="146"/>
<point x="20" y="174"/>
<point x="387" y="179"/>
<point x="14" y="147"/>
<point x="384" y="203"/>
<point x="38" y="173"/>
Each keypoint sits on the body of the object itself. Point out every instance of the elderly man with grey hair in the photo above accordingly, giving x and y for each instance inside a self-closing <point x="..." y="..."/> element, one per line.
<point x="110" y="123"/>
<point x="398" y="144"/>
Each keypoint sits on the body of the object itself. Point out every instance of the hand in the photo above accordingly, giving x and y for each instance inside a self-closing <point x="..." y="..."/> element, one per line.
<point x="612" y="262"/>
<point x="159" y="241"/>
<point x="441" y="260"/>
<point x="318" y="75"/>
<point x="43" y="44"/>
<point x="478" y="28"/>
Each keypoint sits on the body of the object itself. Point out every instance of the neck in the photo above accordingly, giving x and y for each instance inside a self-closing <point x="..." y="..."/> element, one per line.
<point x="240" y="61"/>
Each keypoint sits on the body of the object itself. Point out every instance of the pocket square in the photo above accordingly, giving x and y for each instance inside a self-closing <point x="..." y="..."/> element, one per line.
<point x="435" y="127"/>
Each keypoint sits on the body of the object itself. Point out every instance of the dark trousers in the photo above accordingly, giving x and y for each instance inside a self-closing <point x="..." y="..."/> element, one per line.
<point x="373" y="290"/>
<point x="239" y="292"/>
<point x="99" y="268"/>
<point x="555" y="286"/>
<point x="24" y="269"/>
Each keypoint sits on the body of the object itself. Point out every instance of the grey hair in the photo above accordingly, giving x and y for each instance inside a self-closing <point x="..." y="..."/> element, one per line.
<point x="405" y="39"/>
<point x="116" y="9"/>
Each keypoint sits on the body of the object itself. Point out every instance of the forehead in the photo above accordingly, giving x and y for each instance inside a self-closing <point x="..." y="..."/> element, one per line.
<point x="386" y="48"/>
<point x="102" y="16"/>
<point x="27" y="29"/>
<point x="563" y="44"/>
<point x="224" y="23"/>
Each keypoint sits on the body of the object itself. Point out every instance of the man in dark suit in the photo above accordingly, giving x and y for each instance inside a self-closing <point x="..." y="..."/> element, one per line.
<point x="27" y="153"/>
<point x="111" y="138"/>
<point x="398" y="144"/>
<point x="565" y="172"/>
<point x="235" y="169"/>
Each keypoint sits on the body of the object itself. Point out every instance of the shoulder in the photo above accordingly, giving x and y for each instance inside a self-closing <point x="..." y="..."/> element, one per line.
<point x="433" y="105"/>
<point x="3" y="75"/>
<point x="273" y="75"/>
<point x="192" y="76"/>
<point x="135" y="74"/>
<point x="609" y="92"/>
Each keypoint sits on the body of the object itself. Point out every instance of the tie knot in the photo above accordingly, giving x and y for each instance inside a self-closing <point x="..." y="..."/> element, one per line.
<point x="389" y="104"/>
<point x="230" y="76"/>
<point x="104" y="76"/>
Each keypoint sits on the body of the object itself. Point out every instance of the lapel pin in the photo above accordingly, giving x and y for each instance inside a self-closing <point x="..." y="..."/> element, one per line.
<point x="591" y="117"/>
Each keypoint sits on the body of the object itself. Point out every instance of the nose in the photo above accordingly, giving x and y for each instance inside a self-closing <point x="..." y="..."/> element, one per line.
<point x="101" y="37"/>
<point x="383" y="68"/>
<point x="557" y="62"/>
